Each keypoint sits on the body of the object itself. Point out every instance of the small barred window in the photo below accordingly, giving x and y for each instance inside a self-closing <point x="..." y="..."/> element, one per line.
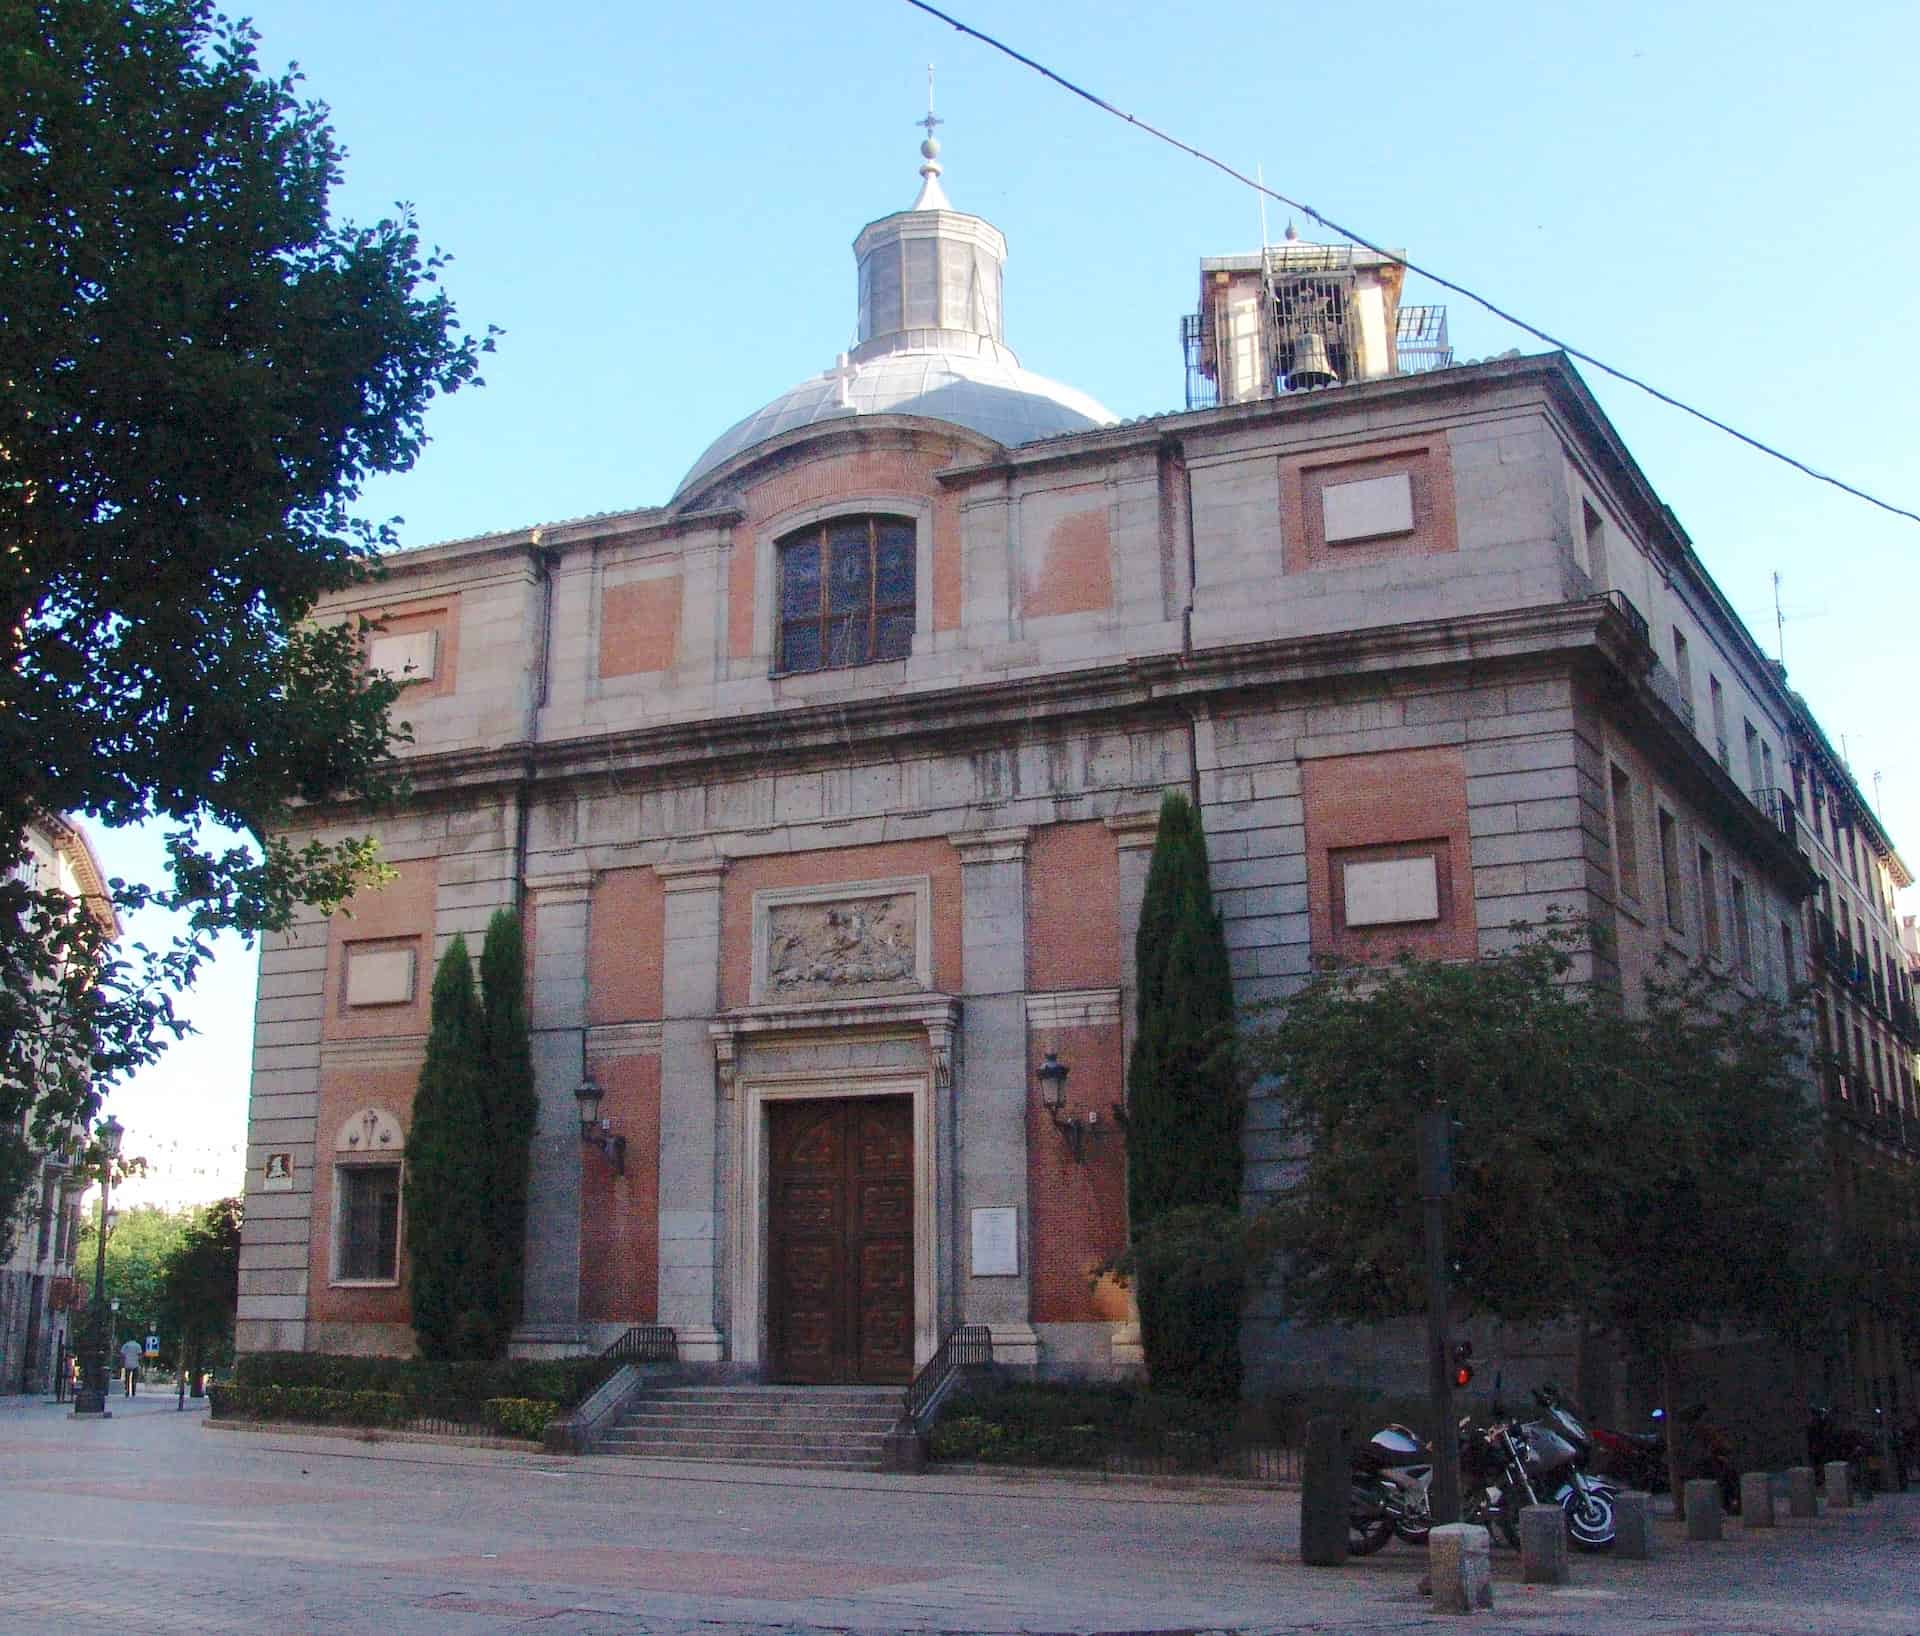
<point x="846" y="593"/>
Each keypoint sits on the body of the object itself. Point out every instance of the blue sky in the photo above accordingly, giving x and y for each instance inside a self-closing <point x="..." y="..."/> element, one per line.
<point x="657" y="206"/>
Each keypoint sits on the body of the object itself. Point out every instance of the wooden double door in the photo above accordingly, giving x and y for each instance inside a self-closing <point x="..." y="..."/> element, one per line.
<point x="840" y="1240"/>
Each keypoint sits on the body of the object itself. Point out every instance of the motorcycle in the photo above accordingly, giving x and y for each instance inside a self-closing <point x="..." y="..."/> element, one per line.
<point x="1637" y="1459"/>
<point x="1501" y="1468"/>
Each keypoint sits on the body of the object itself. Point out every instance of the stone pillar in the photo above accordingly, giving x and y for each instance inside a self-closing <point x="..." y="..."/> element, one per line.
<point x="1703" y="1508"/>
<point x="990" y="1091"/>
<point x="689" y="1110"/>
<point x="1801" y="1501"/>
<point x="1133" y="835"/>
<point x="1460" y="1565"/>
<point x="1633" y="1525"/>
<point x="1543" y="1544"/>
<point x="1756" y="1499"/>
<point x="1839" y="1485"/>
<point x="550" y="1316"/>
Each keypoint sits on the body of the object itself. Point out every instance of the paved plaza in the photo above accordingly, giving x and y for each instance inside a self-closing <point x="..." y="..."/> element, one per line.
<point x="154" y="1522"/>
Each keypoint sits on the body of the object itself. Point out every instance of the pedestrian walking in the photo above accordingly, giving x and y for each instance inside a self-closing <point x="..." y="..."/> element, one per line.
<point x="130" y="1362"/>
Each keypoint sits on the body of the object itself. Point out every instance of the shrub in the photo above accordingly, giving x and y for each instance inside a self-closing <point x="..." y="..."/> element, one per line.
<point x="1065" y="1424"/>
<point x="520" y="1416"/>
<point x="376" y="1409"/>
<point x="456" y="1391"/>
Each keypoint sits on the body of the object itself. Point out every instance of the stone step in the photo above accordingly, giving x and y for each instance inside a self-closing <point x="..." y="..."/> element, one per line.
<point x="839" y="1428"/>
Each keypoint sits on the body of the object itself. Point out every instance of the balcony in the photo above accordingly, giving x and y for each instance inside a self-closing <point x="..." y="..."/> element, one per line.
<point x="1778" y="805"/>
<point x="1632" y="615"/>
<point x="1906" y="1024"/>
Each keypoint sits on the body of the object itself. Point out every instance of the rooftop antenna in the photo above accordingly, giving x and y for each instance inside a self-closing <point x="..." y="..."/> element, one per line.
<point x="1779" y="623"/>
<point x="1876" y="789"/>
<point x="1260" y="176"/>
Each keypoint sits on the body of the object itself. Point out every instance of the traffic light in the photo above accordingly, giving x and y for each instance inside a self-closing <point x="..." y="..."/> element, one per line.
<point x="1462" y="1365"/>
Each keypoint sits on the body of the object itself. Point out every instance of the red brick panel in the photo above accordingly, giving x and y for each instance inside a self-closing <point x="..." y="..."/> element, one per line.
<point x="1303" y="477"/>
<point x="443" y="617"/>
<point x="640" y="626"/>
<point x="1078" y="1208"/>
<point x="626" y="927"/>
<point x="397" y="915"/>
<point x="620" y="1215"/>
<point x="1073" y="572"/>
<point x="1073" y="908"/>
<point x="1394" y="804"/>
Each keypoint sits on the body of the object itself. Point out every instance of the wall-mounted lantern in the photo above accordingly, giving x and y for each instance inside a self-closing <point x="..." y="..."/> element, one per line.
<point x="1052" y="1074"/>
<point x="598" y="1132"/>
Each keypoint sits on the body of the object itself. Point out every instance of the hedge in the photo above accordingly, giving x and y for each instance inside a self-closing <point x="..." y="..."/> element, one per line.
<point x="520" y="1416"/>
<point x="1045" y="1423"/>
<point x="452" y="1391"/>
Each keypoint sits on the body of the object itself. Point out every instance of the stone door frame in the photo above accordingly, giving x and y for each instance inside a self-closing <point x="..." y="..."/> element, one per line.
<point x="748" y="1202"/>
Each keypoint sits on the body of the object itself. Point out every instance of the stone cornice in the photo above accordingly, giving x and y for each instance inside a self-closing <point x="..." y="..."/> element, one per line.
<point x="1169" y="685"/>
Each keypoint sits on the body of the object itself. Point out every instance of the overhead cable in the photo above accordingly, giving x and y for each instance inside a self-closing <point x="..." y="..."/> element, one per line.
<point x="1307" y="210"/>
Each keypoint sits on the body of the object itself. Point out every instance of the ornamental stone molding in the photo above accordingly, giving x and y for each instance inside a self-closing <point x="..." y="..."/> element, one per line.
<point x="936" y="1016"/>
<point x="848" y="939"/>
<point x="1073" y="1008"/>
<point x="372" y="1133"/>
<point x="991" y="845"/>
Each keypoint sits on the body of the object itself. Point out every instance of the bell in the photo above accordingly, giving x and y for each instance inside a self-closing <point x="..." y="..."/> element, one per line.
<point x="1310" y="364"/>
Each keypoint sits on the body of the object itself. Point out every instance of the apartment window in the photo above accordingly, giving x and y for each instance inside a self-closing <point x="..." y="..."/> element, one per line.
<point x="1709" y="906"/>
<point x="369" y="1224"/>
<point x="1626" y="848"/>
<point x="846" y="593"/>
<point x="1683" y="669"/>
<point x="1766" y="765"/>
<point x="1670" y="870"/>
<point x="1594" y="533"/>
<point x="1751" y="734"/>
<point x="1742" y="928"/>
<point x="47" y="1199"/>
<point x="1717" y="696"/>
<point x="1788" y="975"/>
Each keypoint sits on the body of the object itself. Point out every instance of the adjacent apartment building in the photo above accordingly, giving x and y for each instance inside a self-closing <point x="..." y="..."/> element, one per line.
<point x="37" y="1288"/>
<point x="827" y="788"/>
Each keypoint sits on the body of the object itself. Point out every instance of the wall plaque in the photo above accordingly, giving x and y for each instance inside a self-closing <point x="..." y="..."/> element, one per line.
<point x="996" y="1242"/>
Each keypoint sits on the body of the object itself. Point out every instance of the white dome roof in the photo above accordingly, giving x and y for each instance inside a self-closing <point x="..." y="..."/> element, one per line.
<point x="990" y="395"/>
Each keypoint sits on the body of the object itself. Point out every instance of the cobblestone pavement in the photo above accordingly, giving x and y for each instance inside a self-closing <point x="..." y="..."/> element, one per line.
<point x="153" y="1523"/>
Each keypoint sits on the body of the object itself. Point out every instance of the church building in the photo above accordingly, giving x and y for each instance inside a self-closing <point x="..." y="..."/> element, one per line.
<point x="827" y="788"/>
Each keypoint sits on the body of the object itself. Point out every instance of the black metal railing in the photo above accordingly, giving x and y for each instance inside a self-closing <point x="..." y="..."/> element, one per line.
<point x="1778" y="805"/>
<point x="1633" y="616"/>
<point x="969" y="1346"/>
<point x="646" y="1343"/>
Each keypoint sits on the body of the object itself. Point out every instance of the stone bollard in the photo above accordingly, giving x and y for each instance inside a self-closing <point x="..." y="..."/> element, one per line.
<point x="1543" y="1545"/>
<point x="1703" y="1508"/>
<point x="1800" y="1496"/>
<point x="1756" y="1499"/>
<point x="1633" y="1525"/>
<point x="1839" y="1485"/>
<point x="1461" y="1567"/>
<point x="1326" y="1494"/>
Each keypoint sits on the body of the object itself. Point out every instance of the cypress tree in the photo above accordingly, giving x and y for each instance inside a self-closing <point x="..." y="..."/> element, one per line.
<point x="1185" y="1109"/>
<point x="450" y="1277"/>
<point x="510" y="1108"/>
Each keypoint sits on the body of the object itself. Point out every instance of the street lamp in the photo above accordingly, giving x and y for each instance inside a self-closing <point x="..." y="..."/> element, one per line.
<point x="91" y="1396"/>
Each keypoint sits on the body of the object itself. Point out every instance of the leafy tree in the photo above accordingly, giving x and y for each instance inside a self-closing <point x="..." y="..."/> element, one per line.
<point x="1654" y="1172"/>
<point x="199" y="371"/>
<point x="507" y="1129"/>
<point x="450" y="1273"/>
<point x="200" y="1289"/>
<point x="1531" y="1069"/>
<point x="140" y="1244"/>
<point x="1185" y="1108"/>
<point x="1720" y="1219"/>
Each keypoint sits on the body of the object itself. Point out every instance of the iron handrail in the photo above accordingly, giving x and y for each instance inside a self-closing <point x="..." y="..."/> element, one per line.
<point x="646" y="1343"/>
<point x="968" y="1346"/>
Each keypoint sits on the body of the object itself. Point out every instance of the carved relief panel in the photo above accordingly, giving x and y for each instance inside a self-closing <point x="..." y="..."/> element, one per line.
<point x="844" y="941"/>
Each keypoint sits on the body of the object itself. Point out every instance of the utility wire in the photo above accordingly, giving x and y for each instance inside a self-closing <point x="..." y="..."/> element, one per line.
<point x="1327" y="222"/>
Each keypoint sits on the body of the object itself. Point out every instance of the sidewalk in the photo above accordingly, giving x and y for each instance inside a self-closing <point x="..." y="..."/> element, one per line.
<point x="209" y="1531"/>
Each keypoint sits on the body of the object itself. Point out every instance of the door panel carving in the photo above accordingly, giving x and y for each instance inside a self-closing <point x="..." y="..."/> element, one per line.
<point x="840" y="1232"/>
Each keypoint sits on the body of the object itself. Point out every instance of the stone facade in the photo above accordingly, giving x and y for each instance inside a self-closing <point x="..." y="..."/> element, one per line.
<point x="1406" y="642"/>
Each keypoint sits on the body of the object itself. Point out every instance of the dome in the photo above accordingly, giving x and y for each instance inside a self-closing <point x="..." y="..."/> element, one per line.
<point x="929" y="340"/>
<point x="989" y="395"/>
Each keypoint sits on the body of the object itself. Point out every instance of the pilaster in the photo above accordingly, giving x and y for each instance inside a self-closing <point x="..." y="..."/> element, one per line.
<point x="558" y="1013"/>
<point x="991" y="1089"/>
<point x="691" y="1124"/>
